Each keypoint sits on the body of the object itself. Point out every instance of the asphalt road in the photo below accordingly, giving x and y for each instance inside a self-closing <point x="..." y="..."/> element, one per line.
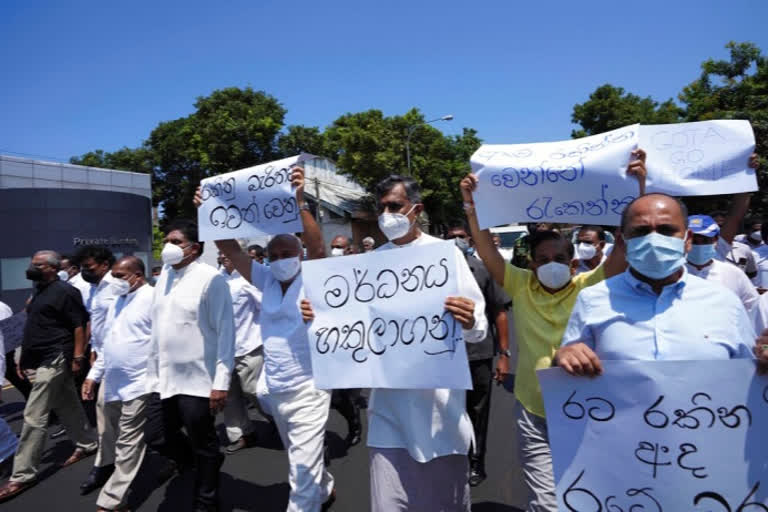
<point x="256" y="479"/>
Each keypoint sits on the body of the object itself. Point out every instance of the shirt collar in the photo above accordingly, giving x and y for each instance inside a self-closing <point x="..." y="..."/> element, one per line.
<point x="416" y="241"/>
<point x="676" y="287"/>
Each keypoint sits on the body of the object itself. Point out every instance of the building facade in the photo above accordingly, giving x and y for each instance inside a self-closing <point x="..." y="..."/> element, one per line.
<point x="48" y="205"/>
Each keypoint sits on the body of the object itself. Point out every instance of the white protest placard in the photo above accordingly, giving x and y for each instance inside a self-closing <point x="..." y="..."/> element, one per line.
<point x="12" y="331"/>
<point x="577" y="181"/>
<point x="380" y="320"/>
<point x="697" y="159"/>
<point x="659" y="436"/>
<point x="250" y="202"/>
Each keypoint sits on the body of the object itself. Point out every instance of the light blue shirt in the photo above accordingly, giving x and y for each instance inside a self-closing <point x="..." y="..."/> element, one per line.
<point x="692" y="319"/>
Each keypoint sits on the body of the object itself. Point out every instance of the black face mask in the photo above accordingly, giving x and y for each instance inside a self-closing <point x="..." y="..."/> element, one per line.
<point x="34" y="274"/>
<point x="90" y="276"/>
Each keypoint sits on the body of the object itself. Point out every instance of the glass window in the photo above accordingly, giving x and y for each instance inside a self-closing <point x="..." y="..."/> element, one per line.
<point x="13" y="274"/>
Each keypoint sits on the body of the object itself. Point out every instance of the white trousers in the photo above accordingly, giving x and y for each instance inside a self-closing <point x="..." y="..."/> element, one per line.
<point x="300" y="416"/>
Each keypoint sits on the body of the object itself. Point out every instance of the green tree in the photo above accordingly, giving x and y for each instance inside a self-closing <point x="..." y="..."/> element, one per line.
<point x="369" y="146"/>
<point x="301" y="139"/>
<point x="611" y="107"/>
<point x="157" y="243"/>
<point x="125" y="159"/>
<point x="230" y="129"/>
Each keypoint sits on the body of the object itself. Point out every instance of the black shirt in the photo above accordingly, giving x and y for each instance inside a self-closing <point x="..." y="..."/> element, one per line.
<point x="54" y="312"/>
<point x="496" y="300"/>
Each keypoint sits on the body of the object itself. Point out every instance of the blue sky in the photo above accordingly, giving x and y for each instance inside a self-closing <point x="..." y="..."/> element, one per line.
<point x="77" y="76"/>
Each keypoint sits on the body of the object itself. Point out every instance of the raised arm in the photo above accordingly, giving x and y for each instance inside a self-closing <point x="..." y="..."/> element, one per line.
<point x="230" y="247"/>
<point x="312" y="236"/>
<point x="491" y="257"/>
<point x="616" y="263"/>
<point x="739" y="208"/>
<point x="637" y="169"/>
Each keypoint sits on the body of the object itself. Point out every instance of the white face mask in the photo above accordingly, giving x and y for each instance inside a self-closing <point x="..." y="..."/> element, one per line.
<point x="585" y="251"/>
<point x="172" y="254"/>
<point x="285" y="269"/>
<point x="395" y="225"/>
<point x="756" y="236"/>
<point x="554" y="275"/>
<point x="120" y="287"/>
<point x="63" y="275"/>
<point x="337" y="251"/>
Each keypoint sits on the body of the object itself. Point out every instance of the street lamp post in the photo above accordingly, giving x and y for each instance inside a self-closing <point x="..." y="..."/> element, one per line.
<point x="412" y="128"/>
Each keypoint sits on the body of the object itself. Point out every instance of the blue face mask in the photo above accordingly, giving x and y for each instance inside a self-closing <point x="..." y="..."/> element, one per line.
<point x="656" y="256"/>
<point x="701" y="254"/>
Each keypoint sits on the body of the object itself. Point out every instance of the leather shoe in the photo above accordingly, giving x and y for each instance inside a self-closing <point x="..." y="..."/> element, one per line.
<point x="476" y="475"/>
<point x="96" y="479"/>
<point x="354" y="437"/>
<point x="330" y="501"/>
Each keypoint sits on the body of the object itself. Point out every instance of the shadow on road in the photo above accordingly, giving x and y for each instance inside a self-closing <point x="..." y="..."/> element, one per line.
<point x="488" y="506"/>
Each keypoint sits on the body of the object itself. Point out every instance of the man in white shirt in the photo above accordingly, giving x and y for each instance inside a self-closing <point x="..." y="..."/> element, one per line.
<point x="192" y="355"/>
<point x="418" y="439"/>
<point x="72" y="270"/>
<point x="95" y="266"/>
<point x="299" y="409"/>
<point x="122" y="369"/>
<point x="249" y="357"/>
<point x="507" y="254"/>
<point x="701" y="262"/>
<point x="590" y="248"/>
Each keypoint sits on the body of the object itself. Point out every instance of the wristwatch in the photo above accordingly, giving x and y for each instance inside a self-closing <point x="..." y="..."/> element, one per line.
<point x="505" y="352"/>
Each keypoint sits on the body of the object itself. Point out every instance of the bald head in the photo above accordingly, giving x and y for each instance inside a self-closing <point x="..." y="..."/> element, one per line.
<point x="661" y="213"/>
<point x="284" y="246"/>
<point x="131" y="269"/>
<point x="131" y="264"/>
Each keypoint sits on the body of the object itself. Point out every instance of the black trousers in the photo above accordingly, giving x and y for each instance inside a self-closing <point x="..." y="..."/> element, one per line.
<point x="479" y="405"/>
<point x="199" y="446"/>
<point x="346" y="402"/>
<point x="24" y="386"/>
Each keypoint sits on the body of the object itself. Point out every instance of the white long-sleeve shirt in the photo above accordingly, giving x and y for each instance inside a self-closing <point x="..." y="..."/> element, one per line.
<point x="193" y="333"/>
<point x="100" y="298"/>
<point x="81" y="284"/>
<point x="287" y="362"/>
<point x="429" y="423"/>
<point x="246" y="303"/>
<point x="122" y="363"/>
<point x="731" y="277"/>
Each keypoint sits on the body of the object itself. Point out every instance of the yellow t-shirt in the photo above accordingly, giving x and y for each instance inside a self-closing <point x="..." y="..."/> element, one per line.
<point x="540" y="321"/>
